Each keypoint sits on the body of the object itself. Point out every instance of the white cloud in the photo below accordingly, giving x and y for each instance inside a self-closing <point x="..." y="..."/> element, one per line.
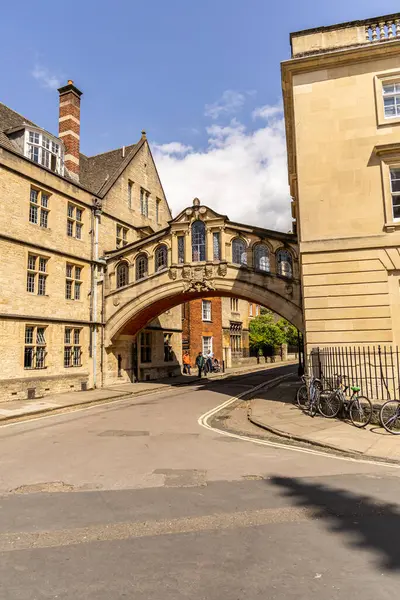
<point x="240" y="173"/>
<point x="47" y="79"/>
<point x="267" y="112"/>
<point x="229" y="103"/>
<point x="172" y="148"/>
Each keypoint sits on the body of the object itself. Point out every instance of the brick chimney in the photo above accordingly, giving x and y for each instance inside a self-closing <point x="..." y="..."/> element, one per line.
<point x="69" y="126"/>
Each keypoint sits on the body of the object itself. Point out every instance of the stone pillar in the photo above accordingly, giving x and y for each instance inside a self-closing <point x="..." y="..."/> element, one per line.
<point x="174" y="248"/>
<point x="223" y="245"/>
<point x="188" y="246"/>
<point x="227" y="357"/>
<point x="284" y="352"/>
<point x="209" y="245"/>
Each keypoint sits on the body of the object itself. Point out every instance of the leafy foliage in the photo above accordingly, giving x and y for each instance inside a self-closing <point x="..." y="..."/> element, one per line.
<point x="266" y="334"/>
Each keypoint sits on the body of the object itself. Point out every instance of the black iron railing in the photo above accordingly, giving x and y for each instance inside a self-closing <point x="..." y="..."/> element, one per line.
<point x="376" y="369"/>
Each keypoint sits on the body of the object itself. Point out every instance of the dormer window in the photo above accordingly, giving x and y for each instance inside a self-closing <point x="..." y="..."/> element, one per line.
<point x="44" y="150"/>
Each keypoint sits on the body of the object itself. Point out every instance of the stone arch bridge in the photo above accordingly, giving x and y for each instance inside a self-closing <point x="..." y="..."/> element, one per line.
<point x="200" y="253"/>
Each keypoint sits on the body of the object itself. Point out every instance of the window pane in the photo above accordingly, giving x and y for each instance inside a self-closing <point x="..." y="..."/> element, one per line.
<point x="44" y="200"/>
<point x="44" y="214"/>
<point x="40" y="335"/>
<point x="69" y="271"/>
<point x="40" y="356"/>
<point x="78" y="231"/>
<point x="396" y="211"/>
<point x="78" y="271"/>
<point x="181" y="249"/>
<point x="45" y="142"/>
<point x="68" y="290"/>
<point x="261" y="258"/>
<point x="33" y="137"/>
<point x="34" y="153"/>
<point x="141" y="267"/>
<point x="70" y="226"/>
<point x="388" y="89"/>
<point x="67" y="337"/>
<point x="46" y="158"/>
<point x="284" y="260"/>
<point x="198" y="241"/>
<point x="206" y="310"/>
<point x="67" y="356"/>
<point x="30" y="282"/>
<point x="33" y="214"/>
<point x="79" y="214"/>
<point x="28" y="358"/>
<point x="161" y="258"/>
<point x="32" y="262"/>
<point x="239" y="254"/>
<point x="70" y="211"/>
<point x="77" y="333"/>
<point x="217" y="246"/>
<point x="77" y="291"/>
<point x="122" y="275"/>
<point x="390" y="109"/>
<point x="42" y="264"/>
<point x="34" y="196"/>
<point x="29" y="335"/>
<point x="42" y="285"/>
<point x="77" y="356"/>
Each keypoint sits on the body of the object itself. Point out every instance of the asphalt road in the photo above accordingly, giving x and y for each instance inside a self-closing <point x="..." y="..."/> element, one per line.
<point x="137" y="500"/>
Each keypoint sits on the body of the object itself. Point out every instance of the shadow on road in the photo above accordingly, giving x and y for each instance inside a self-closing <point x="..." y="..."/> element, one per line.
<point x="370" y="524"/>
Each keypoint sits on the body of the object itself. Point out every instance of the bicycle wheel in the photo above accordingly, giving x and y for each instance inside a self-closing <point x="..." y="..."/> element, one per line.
<point x="302" y="397"/>
<point x="329" y="405"/>
<point x="360" y="411"/>
<point x="390" y="416"/>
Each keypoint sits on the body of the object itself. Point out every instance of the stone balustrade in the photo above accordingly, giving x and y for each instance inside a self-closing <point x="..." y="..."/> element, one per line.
<point x="386" y="29"/>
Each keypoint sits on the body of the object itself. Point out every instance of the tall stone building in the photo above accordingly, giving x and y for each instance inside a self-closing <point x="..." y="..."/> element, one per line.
<point x="341" y="91"/>
<point x="62" y="212"/>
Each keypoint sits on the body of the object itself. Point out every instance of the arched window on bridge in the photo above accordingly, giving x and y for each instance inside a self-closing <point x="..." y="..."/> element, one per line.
<point x="141" y="267"/>
<point x="239" y="252"/>
<point x="161" y="258"/>
<point x="122" y="274"/>
<point x="284" y="263"/>
<point x="261" y="258"/>
<point x="198" y="241"/>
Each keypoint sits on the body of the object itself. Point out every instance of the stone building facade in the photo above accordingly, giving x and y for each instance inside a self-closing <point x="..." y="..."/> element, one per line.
<point x="341" y="92"/>
<point x="62" y="212"/>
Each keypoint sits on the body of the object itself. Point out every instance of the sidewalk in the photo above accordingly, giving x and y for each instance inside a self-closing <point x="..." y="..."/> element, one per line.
<point x="276" y="412"/>
<point x="16" y="410"/>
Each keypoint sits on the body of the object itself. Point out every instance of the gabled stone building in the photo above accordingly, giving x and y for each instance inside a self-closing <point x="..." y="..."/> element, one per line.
<point x="61" y="211"/>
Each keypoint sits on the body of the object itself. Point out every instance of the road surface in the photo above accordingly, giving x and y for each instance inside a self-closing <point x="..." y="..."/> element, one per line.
<point x="136" y="500"/>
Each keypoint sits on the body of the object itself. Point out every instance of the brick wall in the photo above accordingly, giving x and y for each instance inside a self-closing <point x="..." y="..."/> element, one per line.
<point x="194" y="328"/>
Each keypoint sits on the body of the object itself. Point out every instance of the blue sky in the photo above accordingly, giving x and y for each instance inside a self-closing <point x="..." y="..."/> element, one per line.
<point x="157" y="65"/>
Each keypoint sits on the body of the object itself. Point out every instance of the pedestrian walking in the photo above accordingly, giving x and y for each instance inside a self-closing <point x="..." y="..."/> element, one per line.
<point x="209" y="362"/>
<point x="200" y="362"/>
<point x="186" y="363"/>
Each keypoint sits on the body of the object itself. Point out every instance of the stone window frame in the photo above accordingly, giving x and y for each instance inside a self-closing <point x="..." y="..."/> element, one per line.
<point x="145" y="347"/>
<point x="161" y="258"/>
<point x="122" y="274"/>
<point x="73" y="281"/>
<point x="241" y="261"/>
<point x="209" y="347"/>
<point x="279" y="270"/>
<point x="144" y="202"/>
<point x="380" y="80"/>
<point x="37" y="273"/>
<point x="206" y="311"/>
<point x="35" y="346"/>
<point x="74" y="220"/>
<point x="72" y="347"/>
<point x="39" y="206"/>
<point x="257" y="258"/>
<point x="121" y="235"/>
<point x="389" y="158"/>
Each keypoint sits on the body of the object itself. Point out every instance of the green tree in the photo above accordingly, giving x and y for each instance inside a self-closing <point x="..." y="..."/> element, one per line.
<point x="289" y="331"/>
<point x="265" y="334"/>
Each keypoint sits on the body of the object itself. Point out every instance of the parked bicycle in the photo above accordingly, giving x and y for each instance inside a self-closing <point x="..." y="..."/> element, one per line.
<point x="357" y="408"/>
<point x="308" y="395"/>
<point x="390" y="416"/>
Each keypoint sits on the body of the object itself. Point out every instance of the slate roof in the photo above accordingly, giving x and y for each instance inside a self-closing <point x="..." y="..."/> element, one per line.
<point x="96" y="172"/>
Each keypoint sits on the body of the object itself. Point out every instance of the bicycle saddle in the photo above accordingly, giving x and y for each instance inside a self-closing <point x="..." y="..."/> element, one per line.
<point x="355" y="388"/>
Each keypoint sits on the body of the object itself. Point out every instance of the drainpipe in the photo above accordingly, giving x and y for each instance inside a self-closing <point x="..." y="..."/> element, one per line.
<point x="96" y="214"/>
